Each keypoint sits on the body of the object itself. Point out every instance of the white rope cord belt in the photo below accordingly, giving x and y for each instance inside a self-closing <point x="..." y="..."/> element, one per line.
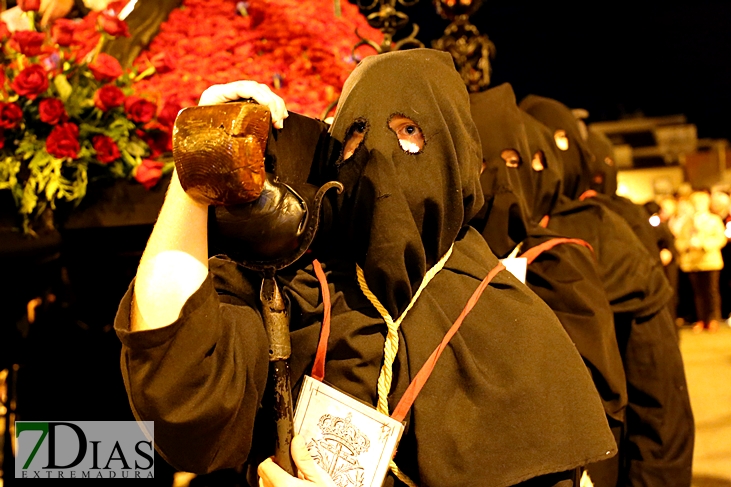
<point x="390" y="347"/>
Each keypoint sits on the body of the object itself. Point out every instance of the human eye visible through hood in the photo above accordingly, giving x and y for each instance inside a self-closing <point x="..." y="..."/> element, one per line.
<point x="410" y="136"/>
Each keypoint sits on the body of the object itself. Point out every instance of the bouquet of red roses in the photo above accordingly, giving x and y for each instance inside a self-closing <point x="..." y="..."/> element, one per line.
<point x="69" y="115"/>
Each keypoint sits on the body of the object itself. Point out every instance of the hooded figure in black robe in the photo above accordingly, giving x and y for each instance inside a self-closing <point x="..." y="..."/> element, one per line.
<point x="657" y="446"/>
<point x="509" y="400"/>
<point x="564" y="276"/>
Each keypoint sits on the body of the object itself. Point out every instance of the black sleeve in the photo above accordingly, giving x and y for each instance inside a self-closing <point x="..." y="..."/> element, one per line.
<point x="660" y="428"/>
<point x="200" y="379"/>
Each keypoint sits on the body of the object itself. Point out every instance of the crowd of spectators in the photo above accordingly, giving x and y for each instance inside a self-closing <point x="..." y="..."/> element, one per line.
<point x="697" y="227"/>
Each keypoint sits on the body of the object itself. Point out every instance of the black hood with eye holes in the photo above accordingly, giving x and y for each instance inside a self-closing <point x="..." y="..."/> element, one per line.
<point x="576" y="160"/>
<point x="502" y="125"/>
<point x="506" y="214"/>
<point x="401" y="212"/>
<point x="604" y="175"/>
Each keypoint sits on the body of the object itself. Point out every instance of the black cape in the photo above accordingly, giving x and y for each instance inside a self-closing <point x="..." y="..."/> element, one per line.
<point x="659" y="430"/>
<point x="510" y="398"/>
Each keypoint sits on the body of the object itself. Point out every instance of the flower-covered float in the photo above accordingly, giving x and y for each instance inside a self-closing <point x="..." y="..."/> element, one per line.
<point x="71" y="116"/>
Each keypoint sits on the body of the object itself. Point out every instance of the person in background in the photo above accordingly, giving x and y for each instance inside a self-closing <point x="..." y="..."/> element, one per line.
<point x="720" y="205"/>
<point x="668" y="253"/>
<point x="699" y="239"/>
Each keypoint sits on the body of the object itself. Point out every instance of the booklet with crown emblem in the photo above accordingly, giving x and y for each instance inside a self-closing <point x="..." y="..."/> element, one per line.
<point x="351" y="441"/>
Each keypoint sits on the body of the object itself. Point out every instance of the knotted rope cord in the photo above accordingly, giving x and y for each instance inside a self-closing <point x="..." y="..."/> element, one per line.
<point x="515" y="251"/>
<point x="390" y="347"/>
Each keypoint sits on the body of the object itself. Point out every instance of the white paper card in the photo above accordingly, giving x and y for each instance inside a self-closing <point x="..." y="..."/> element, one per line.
<point x="517" y="266"/>
<point x="352" y="442"/>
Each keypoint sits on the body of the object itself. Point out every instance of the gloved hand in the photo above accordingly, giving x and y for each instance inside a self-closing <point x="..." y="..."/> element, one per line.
<point x="239" y="90"/>
<point x="310" y="473"/>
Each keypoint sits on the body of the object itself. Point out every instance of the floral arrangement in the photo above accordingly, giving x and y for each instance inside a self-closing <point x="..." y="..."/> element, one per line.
<point x="302" y="50"/>
<point x="69" y="114"/>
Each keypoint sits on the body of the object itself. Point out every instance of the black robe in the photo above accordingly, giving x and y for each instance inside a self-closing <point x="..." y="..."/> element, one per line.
<point x="509" y="400"/>
<point x="658" y="441"/>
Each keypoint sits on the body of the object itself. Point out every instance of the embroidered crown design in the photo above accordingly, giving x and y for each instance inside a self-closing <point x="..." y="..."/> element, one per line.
<point x="342" y="431"/>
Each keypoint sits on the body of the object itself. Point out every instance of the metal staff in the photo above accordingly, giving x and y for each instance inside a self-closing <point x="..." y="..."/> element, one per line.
<point x="264" y="224"/>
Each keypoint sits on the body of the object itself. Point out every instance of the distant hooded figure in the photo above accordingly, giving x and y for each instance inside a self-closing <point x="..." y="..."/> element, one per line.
<point x="508" y="401"/>
<point x="604" y="189"/>
<point x="658" y="439"/>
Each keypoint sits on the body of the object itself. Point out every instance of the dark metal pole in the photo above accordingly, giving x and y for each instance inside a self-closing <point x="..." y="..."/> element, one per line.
<point x="276" y="321"/>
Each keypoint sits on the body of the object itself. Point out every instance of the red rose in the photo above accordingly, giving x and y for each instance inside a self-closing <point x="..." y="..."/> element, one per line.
<point x="52" y="111"/>
<point x="159" y="141"/>
<point x="4" y="31"/>
<point x="10" y="115"/>
<point x="2" y="140"/>
<point x="169" y="113"/>
<point x="148" y="173"/>
<point x="139" y="110"/>
<point x="105" y="67"/>
<point x="63" y="32"/>
<point x="106" y="149"/>
<point x="163" y="62"/>
<point x="108" y="97"/>
<point x="29" y="42"/>
<point x="31" y="82"/>
<point x="112" y="25"/>
<point x="63" y="141"/>
<point x="29" y="5"/>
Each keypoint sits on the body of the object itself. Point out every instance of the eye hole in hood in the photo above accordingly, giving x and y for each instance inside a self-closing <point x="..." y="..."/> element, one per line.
<point x="538" y="163"/>
<point x="562" y="140"/>
<point x="511" y="158"/>
<point x="354" y="138"/>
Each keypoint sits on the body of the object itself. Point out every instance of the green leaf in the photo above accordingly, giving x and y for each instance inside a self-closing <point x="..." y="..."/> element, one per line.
<point x="52" y="188"/>
<point x="29" y="198"/>
<point x="129" y="159"/>
<point x="9" y="168"/>
<point x="63" y="87"/>
<point x="136" y="148"/>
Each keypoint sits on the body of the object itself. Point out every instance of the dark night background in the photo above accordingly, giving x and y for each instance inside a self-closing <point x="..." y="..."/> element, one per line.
<point x="616" y="59"/>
